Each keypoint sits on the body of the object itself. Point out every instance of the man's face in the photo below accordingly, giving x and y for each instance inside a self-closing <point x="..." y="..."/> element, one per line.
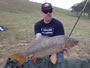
<point x="47" y="14"/>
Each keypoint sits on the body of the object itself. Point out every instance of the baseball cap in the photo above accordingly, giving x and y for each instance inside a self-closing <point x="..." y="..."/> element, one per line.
<point x="46" y="6"/>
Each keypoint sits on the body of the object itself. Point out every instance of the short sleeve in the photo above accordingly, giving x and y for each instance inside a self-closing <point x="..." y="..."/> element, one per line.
<point x="37" y="28"/>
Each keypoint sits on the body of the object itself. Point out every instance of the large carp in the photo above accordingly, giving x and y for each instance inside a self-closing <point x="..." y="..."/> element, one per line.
<point x="44" y="47"/>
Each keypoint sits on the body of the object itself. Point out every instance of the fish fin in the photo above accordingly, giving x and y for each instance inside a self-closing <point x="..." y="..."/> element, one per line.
<point x="67" y="53"/>
<point x="19" y="58"/>
<point x="53" y="58"/>
<point x="34" y="59"/>
<point x="32" y="56"/>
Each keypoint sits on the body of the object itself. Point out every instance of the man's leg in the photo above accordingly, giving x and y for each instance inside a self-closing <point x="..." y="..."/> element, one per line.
<point x="60" y="55"/>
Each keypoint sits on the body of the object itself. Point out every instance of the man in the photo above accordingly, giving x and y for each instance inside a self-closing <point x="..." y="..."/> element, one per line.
<point x="49" y="26"/>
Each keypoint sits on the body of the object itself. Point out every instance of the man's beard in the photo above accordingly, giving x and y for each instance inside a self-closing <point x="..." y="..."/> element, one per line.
<point x="48" y="19"/>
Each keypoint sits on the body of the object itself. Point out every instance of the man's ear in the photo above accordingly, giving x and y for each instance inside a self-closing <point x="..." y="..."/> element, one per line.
<point x="41" y="13"/>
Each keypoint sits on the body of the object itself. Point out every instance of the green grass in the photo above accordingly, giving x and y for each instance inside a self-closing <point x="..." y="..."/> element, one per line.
<point x="20" y="20"/>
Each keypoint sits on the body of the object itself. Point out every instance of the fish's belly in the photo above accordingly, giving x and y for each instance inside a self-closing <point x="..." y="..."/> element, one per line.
<point x="46" y="52"/>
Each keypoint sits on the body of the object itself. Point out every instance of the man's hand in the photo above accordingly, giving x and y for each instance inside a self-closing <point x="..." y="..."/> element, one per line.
<point x="65" y="49"/>
<point x="67" y="52"/>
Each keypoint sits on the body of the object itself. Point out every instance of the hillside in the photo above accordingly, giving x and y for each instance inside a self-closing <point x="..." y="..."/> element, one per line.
<point x="19" y="16"/>
<point x="17" y="6"/>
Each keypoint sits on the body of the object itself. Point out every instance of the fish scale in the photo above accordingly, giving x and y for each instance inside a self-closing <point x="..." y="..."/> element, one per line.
<point x="50" y="46"/>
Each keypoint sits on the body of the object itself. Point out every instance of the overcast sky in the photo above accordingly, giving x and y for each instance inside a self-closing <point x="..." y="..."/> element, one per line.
<point x="66" y="4"/>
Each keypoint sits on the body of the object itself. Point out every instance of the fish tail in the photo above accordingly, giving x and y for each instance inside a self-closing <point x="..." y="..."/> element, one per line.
<point x="19" y="58"/>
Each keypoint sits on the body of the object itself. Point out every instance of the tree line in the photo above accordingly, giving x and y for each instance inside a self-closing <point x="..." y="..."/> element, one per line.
<point x="79" y="6"/>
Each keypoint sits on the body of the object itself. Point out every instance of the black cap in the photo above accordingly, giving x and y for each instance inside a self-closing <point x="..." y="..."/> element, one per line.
<point x="46" y="6"/>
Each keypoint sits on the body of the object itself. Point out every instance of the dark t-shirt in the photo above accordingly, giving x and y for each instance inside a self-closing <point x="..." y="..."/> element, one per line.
<point x="54" y="28"/>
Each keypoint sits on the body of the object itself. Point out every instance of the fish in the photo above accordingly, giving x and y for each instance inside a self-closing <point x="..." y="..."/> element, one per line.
<point x="44" y="47"/>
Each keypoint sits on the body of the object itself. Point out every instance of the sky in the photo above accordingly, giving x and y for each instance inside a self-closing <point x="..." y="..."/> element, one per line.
<point x="65" y="4"/>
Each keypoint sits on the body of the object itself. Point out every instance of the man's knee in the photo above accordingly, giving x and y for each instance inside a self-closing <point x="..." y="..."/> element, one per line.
<point x="60" y="55"/>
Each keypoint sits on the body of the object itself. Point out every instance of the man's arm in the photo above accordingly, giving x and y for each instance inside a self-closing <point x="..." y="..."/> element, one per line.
<point x="37" y="31"/>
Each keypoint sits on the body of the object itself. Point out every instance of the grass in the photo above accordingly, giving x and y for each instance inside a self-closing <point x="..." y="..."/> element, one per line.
<point x="20" y="22"/>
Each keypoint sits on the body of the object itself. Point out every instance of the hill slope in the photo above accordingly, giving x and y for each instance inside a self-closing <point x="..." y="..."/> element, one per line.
<point x="19" y="16"/>
<point x="17" y="5"/>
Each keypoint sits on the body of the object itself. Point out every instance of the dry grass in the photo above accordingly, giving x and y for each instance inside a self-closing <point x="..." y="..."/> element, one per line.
<point x="20" y="29"/>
